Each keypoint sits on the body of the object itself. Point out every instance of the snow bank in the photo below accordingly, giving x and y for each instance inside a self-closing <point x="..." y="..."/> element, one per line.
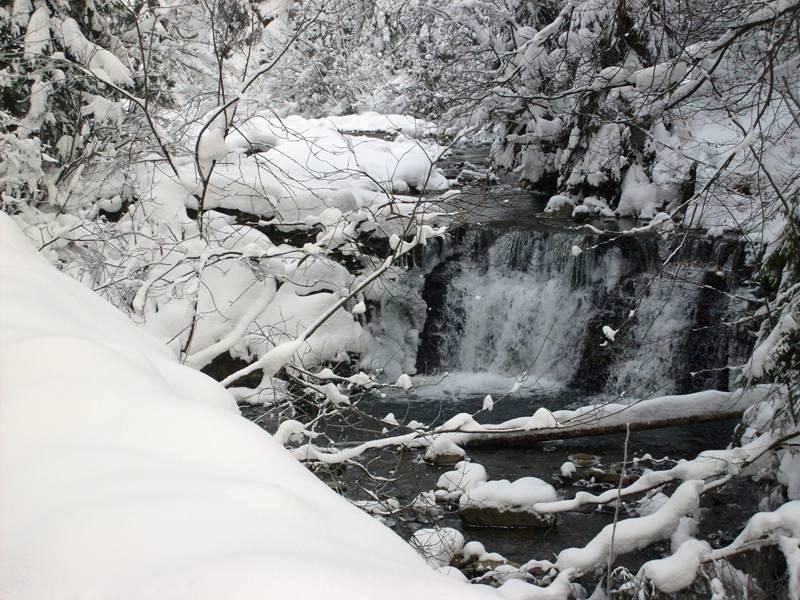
<point x="238" y="303"/>
<point x="372" y="121"/>
<point x="126" y="475"/>
<point x="294" y="168"/>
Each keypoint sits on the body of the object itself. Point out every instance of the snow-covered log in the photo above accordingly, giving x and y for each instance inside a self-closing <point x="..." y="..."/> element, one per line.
<point x="655" y="413"/>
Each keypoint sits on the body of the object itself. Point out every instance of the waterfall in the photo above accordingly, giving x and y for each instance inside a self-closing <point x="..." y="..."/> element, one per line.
<point x="513" y="301"/>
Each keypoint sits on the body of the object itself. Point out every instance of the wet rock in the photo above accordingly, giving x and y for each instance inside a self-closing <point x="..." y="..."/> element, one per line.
<point x="480" y="568"/>
<point x="474" y="561"/>
<point x="582" y="459"/>
<point x="611" y="475"/>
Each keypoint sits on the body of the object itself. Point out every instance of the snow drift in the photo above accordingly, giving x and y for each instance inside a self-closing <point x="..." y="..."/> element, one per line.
<point x="126" y="475"/>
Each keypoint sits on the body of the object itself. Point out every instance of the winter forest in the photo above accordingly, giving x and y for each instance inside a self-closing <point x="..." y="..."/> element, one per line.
<point x="393" y="299"/>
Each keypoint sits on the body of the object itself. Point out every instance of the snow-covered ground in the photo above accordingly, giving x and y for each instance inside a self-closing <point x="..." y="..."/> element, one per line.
<point x="213" y="286"/>
<point x="127" y="475"/>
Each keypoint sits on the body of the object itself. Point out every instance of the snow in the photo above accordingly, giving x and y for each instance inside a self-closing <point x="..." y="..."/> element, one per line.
<point x="678" y="571"/>
<point x="639" y="196"/>
<point x="558" y="202"/>
<point x="580" y="211"/>
<point x="372" y="121"/>
<point x="764" y="356"/>
<point x="658" y="77"/>
<point x="211" y="145"/>
<point x="790" y="546"/>
<point x="541" y="419"/>
<point x="308" y="165"/>
<point x="502" y="494"/>
<point x="609" y="333"/>
<point x="390" y="419"/>
<point x="37" y="35"/>
<point x="438" y="545"/>
<point x="271" y="362"/>
<point x="632" y="534"/>
<point x="785" y="521"/>
<point x="567" y="469"/>
<point x="102" y="63"/>
<point x="128" y="475"/>
<point x="611" y="413"/>
<point x="789" y="473"/>
<point x="404" y="382"/>
<point x="477" y="551"/>
<point x="238" y="306"/>
<point x="516" y="589"/>
<point x="443" y="446"/>
<point x="601" y="161"/>
<point x="452" y="484"/>
<point x="686" y="530"/>
<point x="651" y="503"/>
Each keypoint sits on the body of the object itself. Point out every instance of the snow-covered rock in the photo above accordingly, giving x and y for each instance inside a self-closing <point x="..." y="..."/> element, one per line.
<point x="439" y="545"/>
<point x="560" y="205"/>
<point x="506" y="503"/>
<point x="452" y="484"/>
<point x="444" y="451"/>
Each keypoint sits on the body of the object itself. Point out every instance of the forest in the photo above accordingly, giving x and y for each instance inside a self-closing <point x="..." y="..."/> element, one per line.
<point x="399" y="299"/>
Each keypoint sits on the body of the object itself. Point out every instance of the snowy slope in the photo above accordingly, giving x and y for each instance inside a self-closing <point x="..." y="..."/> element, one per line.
<point x="125" y="475"/>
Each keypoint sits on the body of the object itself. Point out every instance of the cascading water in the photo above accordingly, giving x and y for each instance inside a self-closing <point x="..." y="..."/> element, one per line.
<point x="524" y="301"/>
<point x="510" y="306"/>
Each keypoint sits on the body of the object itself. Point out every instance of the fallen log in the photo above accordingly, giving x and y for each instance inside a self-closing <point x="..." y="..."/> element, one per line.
<point x="521" y="439"/>
<point x="587" y="421"/>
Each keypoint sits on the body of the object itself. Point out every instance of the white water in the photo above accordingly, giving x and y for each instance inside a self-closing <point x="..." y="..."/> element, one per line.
<point x="518" y="306"/>
<point x="650" y="363"/>
<point x="518" y="303"/>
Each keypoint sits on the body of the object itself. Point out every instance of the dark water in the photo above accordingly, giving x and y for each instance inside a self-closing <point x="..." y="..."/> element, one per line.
<point x="542" y="461"/>
<point x="410" y="475"/>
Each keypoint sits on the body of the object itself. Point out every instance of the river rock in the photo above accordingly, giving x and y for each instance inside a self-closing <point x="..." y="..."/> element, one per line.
<point x="560" y="206"/>
<point x="505" y="503"/>
<point x="582" y="459"/>
<point x="443" y="451"/>
<point x="611" y="475"/>
<point x="475" y="561"/>
<point x="452" y="484"/>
